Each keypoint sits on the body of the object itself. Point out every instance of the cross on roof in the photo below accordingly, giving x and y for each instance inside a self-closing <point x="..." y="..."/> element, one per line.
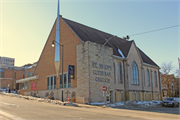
<point x="67" y="93"/>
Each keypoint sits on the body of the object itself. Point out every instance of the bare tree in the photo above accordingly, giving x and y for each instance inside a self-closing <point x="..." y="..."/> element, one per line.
<point x="166" y="68"/>
<point x="168" y="78"/>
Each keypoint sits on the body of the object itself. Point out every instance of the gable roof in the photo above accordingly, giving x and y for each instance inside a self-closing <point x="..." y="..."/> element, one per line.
<point x="86" y="33"/>
<point x="146" y="59"/>
<point x="124" y="47"/>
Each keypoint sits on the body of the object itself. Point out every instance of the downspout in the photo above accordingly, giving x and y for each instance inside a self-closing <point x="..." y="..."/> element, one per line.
<point x="143" y="81"/>
<point x="160" y="84"/>
<point x="152" y="85"/>
<point x="124" y="81"/>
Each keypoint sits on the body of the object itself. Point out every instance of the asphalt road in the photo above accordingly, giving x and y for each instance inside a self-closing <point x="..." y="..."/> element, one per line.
<point x="16" y="108"/>
<point x="168" y="110"/>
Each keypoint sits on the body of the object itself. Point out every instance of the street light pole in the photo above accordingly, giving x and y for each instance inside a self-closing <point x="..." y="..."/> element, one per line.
<point x="62" y="74"/>
<point x="103" y="66"/>
<point x="62" y="66"/>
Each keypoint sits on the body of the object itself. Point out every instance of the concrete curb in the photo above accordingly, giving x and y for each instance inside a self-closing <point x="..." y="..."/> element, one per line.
<point x="46" y="100"/>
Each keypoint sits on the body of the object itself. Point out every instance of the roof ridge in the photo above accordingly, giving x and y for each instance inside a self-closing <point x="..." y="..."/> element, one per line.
<point x="92" y="28"/>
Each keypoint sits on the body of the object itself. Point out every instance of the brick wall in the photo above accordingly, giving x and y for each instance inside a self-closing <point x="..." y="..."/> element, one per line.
<point x="9" y="78"/>
<point x="46" y="66"/>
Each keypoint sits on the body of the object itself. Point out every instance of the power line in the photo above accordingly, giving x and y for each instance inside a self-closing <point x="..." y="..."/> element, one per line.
<point x="154" y="30"/>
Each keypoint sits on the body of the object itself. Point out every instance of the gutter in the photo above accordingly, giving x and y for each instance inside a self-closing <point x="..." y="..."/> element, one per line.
<point x="115" y="56"/>
<point x="146" y="64"/>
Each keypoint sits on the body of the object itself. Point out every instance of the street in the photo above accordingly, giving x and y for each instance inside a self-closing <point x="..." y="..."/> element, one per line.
<point x="18" y="108"/>
<point x="169" y="110"/>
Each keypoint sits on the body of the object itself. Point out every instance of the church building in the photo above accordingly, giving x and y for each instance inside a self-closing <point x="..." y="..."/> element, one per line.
<point x="71" y="66"/>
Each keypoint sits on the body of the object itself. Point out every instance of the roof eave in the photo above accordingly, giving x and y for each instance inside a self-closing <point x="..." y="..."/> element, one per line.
<point x="146" y="64"/>
<point x="73" y="31"/>
<point x="115" y="56"/>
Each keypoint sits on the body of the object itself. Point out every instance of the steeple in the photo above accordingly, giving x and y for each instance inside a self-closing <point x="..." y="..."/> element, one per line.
<point x="57" y="47"/>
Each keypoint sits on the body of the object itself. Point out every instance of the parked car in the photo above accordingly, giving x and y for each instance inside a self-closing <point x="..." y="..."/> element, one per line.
<point x="173" y="102"/>
<point x="4" y="89"/>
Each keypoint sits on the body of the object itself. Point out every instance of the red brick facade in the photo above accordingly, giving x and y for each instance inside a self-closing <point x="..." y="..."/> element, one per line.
<point x="10" y="78"/>
<point x="46" y="67"/>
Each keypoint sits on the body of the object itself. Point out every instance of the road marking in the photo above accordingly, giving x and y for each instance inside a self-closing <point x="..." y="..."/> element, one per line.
<point x="9" y="104"/>
<point x="9" y="116"/>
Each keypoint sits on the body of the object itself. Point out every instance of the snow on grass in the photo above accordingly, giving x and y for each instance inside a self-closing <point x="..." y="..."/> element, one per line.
<point x="153" y="103"/>
<point x="100" y="103"/>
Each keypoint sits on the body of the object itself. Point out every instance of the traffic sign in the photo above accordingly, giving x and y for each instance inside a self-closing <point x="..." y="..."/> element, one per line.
<point x="104" y="88"/>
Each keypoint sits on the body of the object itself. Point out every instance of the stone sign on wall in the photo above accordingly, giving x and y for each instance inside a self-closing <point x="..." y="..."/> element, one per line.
<point x="98" y="71"/>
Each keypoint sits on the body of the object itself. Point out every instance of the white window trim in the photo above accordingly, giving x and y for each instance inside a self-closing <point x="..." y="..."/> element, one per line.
<point x="63" y="78"/>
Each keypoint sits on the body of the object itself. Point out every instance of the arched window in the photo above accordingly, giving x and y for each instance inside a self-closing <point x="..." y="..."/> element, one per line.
<point x="144" y="77"/>
<point x="148" y="78"/>
<point x="120" y="79"/>
<point x="114" y="73"/>
<point x="155" y="78"/>
<point x="134" y="73"/>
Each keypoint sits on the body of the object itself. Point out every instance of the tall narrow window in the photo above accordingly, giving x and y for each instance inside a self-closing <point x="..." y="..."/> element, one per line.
<point x="60" y="81"/>
<point x="134" y="73"/>
<point x="120" y="79"/>
<point x="148" y="78"/>
<point x="114" y="73"/>
<point x="54" y="82"/>
<point x="51" y="82"/>
<point x="1" y="73"/>
<point x="23" y="74"/>
<point x="48" y="83"/>
<point x="144" y="78"/>
<point x="15" y="74"/>
<point x="65" y="81"/>
<point x="155" y="78"/>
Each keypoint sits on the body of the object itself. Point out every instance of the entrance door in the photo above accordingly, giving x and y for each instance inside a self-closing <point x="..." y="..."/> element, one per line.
<point x="107" y="96"/>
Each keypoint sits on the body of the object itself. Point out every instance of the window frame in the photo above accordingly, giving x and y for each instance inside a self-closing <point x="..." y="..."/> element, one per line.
<point x="2" y="73"/>
<point x="114" y="73"/>
<point x="155" y="79"/>
<point x="134" y="74"/>
<point x="67" y="82"/>
<point x="148" y="78"/>
<point x="120" y="74"/>
<point x="51" y="82"/>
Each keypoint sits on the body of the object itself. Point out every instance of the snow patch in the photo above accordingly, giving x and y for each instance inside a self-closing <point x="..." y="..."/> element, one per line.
<point x="120" y="52"/>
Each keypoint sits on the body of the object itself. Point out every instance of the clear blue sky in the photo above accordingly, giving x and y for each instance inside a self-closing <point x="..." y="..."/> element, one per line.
<point x="26" y="24"/>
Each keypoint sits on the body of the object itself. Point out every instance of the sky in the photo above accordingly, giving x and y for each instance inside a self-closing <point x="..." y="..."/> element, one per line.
<point x="26" y="24"/>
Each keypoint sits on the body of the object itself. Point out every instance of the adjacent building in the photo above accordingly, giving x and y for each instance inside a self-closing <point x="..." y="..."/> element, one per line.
<point x="9" y="74"/>
<point x="170" y="85"/>
<point x="7" y="61"/>
<point x="129" y="74"/>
